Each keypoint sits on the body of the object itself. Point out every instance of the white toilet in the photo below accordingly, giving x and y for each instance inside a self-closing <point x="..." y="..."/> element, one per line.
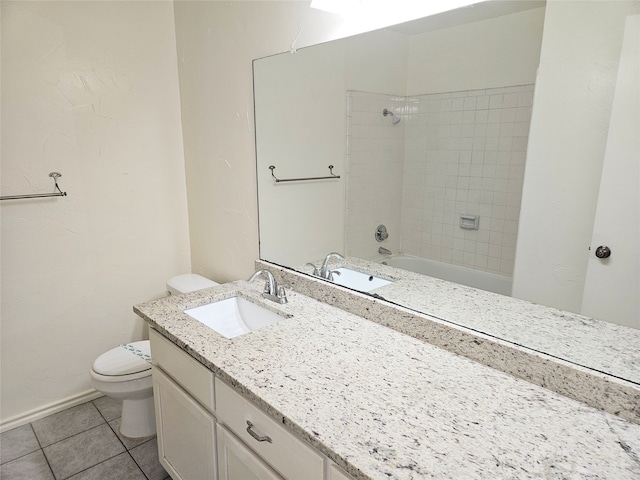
<point x="124" y="372"/>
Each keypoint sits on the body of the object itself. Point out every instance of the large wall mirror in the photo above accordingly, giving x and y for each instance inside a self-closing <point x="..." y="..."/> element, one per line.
<point x="427" y="125"/>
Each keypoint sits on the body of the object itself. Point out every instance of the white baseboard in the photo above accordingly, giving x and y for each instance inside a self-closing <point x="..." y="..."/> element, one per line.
<point x="55" y="407"/>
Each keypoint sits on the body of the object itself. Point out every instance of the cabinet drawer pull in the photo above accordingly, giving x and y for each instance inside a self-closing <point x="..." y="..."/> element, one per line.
<point x="255" y="435"/>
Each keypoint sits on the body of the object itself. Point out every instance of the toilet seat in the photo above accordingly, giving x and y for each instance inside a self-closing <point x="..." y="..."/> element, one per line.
<point x="126" y="362"/>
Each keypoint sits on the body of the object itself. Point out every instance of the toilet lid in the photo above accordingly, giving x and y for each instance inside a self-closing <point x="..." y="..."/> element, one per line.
<point x="125" y="359"/>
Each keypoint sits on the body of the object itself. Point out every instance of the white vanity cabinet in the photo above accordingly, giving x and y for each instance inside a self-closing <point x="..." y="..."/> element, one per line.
<point x="185" y="405"/>
<point x="248" y="435"/>
<point x="208" y="431"/>
<point x="335" y="473"/>
<point x="237" y="461"/>
<point x="186" y="440"/>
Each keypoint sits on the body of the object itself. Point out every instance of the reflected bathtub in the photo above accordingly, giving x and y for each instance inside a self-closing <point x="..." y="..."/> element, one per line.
<point x="453" y="273"/>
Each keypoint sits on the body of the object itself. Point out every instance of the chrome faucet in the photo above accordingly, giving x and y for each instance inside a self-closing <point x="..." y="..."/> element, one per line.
<point x="271" y="290"/>
<point x="331" y="273"/>
<point x="315" y="272"/>
<point x="324" y="270"/>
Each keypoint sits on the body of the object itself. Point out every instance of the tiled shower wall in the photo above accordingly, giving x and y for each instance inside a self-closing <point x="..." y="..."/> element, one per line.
<point x="375" y="163"/>
<point x="463" y="153"/>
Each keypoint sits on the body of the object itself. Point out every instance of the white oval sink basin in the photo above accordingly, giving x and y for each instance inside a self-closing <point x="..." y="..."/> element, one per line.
<point x="358" y="280"/>
<point x="234" y="316"/>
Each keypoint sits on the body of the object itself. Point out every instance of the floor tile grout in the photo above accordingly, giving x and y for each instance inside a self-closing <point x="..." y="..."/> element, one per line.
<point x="46" y="459"/>
<point x="111" y="427"/>
<point x="106" y="460"/>
<point x="127" y="450"/>
<point x="138" y="465"/>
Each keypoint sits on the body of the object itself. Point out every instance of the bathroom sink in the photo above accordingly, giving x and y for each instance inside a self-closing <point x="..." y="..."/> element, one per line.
<point x="358" y="280"/>
<point x="234" y="316"/>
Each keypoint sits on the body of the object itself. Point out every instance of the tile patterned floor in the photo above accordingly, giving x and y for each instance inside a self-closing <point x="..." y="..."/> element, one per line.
<point x="81" y="443"/>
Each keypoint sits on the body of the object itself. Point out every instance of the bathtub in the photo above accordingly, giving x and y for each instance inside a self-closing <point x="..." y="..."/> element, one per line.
<point x="453" y="273"/>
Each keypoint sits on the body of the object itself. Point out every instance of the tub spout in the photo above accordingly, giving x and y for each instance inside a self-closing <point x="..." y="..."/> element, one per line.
<point x="384" y="251"/>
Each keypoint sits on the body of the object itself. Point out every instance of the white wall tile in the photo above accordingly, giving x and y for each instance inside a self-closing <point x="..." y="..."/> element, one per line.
<point x="454" y="153"/>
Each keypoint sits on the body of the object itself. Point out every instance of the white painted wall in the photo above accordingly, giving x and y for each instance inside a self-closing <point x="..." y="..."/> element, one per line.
<point x="571" y="110"/>
<point x="301" y="109"/>
<point x="612" y="286"/>
<point x="89" y="89"/>
<point x="491" y="53"/>
<point x="217" y="42"/>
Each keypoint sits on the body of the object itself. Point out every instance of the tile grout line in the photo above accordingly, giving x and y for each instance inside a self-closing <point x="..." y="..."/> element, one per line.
<point x="126" y="450"/>
<point x="28" y="453"/>
<point x="111" y="428"/>
<point x="71" y="436"/>
<point x="76" y="434"/>
<point x="125" y="447"/>
<point x="46" y="459"/>
<point x="88" y="468"/>
<point x="137" y="465"/>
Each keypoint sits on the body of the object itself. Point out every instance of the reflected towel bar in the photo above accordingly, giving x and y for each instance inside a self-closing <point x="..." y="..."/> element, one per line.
<point x="59" y="193"/>
<point x="278" y="180"/>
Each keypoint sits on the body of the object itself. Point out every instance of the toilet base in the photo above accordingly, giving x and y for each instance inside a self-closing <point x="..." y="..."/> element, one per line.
<point x="138" y="417"/>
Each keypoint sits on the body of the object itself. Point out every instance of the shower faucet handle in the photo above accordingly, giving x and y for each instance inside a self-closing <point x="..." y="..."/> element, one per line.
<point x="381" y="233"/>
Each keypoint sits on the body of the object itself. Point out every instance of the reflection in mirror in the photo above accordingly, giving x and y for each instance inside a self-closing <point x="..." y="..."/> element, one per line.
<point x="428" y="126"/>
<point x="458" y="148"/>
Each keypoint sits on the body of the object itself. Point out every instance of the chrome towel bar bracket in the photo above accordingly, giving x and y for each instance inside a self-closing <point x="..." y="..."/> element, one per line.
<point x="59" y="193"/>
<point x="278" y="180"/>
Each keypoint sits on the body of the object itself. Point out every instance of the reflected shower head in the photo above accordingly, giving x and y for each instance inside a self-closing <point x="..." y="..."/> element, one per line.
<point x="394" y="119"/>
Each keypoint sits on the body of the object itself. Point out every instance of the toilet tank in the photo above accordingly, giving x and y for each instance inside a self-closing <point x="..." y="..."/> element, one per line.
<point x="189" y="282"/>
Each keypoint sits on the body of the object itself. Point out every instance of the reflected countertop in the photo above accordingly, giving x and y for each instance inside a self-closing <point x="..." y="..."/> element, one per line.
<point x="383" y="404"/>
<point x="596" y="344"/>
<point x="480" y="319"/>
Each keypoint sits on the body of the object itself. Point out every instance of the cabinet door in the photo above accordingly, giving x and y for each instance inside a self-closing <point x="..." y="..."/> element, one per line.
<point x="285" y="453"/>
<point x="237" y="462"/>
<point x="336" y="473"/>
<point x="186" y="432"/>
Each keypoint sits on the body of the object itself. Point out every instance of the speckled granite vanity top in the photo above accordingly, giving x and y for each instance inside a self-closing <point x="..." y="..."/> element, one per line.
<point x="588" y="360"/>
<point x="385" y="405"/>
<point x="602" y="346"/>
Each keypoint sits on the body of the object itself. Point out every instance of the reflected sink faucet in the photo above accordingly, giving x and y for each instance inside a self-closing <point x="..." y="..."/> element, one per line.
<point x="271" y="290"/>
<point x="324" y="270"/>
<point x="316" y="272"/>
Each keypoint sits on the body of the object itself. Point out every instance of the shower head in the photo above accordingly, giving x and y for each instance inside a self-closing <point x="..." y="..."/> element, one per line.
<point x="394" y="119"/>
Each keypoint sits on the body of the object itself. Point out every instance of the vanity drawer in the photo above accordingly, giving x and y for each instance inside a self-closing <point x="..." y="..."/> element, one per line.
<point x="288" y="455"/>
<point x="190" y="374"/>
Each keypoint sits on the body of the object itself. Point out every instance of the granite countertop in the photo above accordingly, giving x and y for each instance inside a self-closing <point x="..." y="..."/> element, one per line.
<point x="602" y="346"/>
<point x="385" y="405"/>
<point x="588" y="360"/>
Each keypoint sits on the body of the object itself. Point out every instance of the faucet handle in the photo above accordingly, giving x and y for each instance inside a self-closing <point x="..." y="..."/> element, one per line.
<point x="282" y="294"/>
<point x="332" y="273"/>
<point x="316" y="271"/>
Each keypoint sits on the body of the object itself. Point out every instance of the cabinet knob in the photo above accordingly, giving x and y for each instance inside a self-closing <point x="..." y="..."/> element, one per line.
<point x="603" y="252"/>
